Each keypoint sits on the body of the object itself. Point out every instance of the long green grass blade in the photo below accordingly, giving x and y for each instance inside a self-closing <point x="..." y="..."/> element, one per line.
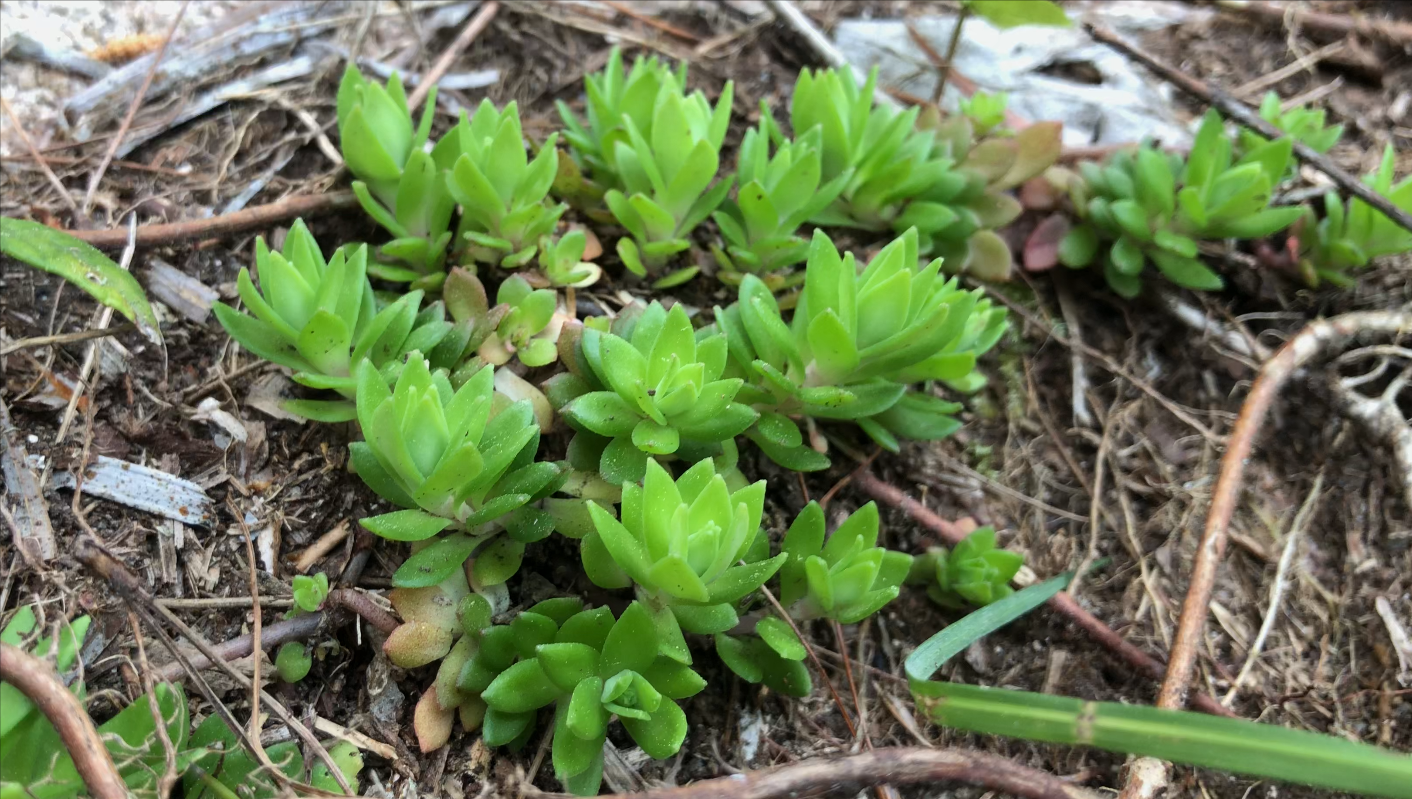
<point x="1234" y="745"/>
<point x="83" y="265"/>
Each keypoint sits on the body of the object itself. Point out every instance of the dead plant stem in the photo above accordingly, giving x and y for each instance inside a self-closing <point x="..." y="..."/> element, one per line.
<point x="136" y="103"/>
<point x="37" y="681"/>
<point x="844" y="776"/>
<point x="1316" y="339"/>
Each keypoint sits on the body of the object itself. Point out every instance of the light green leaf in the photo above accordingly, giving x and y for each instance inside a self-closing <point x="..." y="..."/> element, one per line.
<point x="84" y="266"/>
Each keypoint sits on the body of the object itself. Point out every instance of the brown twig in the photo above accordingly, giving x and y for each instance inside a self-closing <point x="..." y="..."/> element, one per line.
<point x="665" y="27"/>
<point x="257" y="615"/>
<point x="92" y="555"/>
<point x="838" y="700"/>
<point x="136" y="103"/>
<point x="1241" y="113"/>
<point x="845" y="776"/>
<point x="220" y="226"/>
<point x="322" y="545"/>
<point x="1315" y="339"/>
<point x="463" y="40"/>
<point x="1328" y="25"/>
<point x="1062" y="602"/>
<point x="299" y="628"/>
<point x="37" y="681"/>
<point x="39" y="159"/>
<point x="1318" y="337"/>
<point x="169" y="775"/>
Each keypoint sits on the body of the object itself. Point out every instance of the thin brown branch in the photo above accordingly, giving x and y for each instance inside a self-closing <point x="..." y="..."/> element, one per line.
<point x="216" y="227"/>
<point x="136" y="103"/>
<point x="1326" y="25"/>
<point x="300" y="628"/>
<point x="37" y="681"/>
<point x="90" y="552"/>
<point x="1062" y="602"/>
<point x="813" y="658"/>
<point x="1242" y="113"/>
<point x="1315" y="340"/>
<point x="463" y="40"/>
<point x="666" y="27"/>
<point x="39" y="159"/>
<point x="169" y="774"/>
<point x="846" y="776"/>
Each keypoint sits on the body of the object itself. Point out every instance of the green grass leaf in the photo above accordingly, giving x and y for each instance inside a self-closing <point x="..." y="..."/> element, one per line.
<point x="1234" y="745"/>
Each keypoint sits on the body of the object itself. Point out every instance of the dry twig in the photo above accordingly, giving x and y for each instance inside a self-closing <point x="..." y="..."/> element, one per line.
<point x="39" y="158"/>
<point x="1317" y="338"/>
<point x="845" y="776"/>
<point x="117" y="140"/>
<point x="1241" y="113"/>
<point x="224" y="225"/>
<point x="1329" y="25"/>
<point x="463" y="40"/>
<point x="37" y="681"/>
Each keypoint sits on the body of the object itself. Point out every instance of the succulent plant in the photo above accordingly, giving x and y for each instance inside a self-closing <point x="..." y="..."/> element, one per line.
<point x="777" y="194"/>
<point x="613" y="94"/>
<point x="856" y="341"/>
<point x="528" y="329"/>
<point x="398" y="183"/>
<point x="456" y="462"/>
<point x="562" y="263"/>
<point x="847" y="578"/>
<point x="974" y="572"/>
<point x="1349" y="236"/>
<point x="503" y="195"/>
<point x="659" y="393"/>
<point x="1153" y="206"/>
<point x="667" y="170"/>
<point x="320" y="319"/>
<point x="679" y="542"/>
<point x="593" y="668"/>
<point x="1305" y="125"/>
<point x="985" y="110"/>
<point x="936" y="178"/>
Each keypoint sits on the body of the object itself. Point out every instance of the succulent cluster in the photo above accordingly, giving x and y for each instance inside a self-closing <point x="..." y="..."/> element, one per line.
<point x="1350" y="235"/>
<point x="650" y="386"/>
<point x="319" y="318"/>
<point x="455" y="459"/>
<point x="655" y="151"/>
<point x="975" y="572"/>
<point x="413" y="189"/>
<point x="778" y="193"/>
<point x="1304" y="125"/>
<point x="936" y="177"/>
<point x="856" y="342"/>
<point x="593" y="668"/>
<point x="1150" y="206"/>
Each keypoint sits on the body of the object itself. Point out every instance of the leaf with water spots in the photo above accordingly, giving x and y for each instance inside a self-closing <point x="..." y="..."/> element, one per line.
<point x="81" y="264"/>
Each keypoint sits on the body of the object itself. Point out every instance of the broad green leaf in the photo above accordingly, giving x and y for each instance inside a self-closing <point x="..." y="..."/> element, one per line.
<point x="84" y="266"/>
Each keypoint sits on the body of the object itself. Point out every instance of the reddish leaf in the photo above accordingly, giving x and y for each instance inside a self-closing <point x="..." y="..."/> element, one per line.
<point x="1042" y="247"/>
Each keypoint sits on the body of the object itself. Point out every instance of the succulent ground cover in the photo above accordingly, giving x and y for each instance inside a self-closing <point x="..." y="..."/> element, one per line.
<point x="577" y="499"/>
